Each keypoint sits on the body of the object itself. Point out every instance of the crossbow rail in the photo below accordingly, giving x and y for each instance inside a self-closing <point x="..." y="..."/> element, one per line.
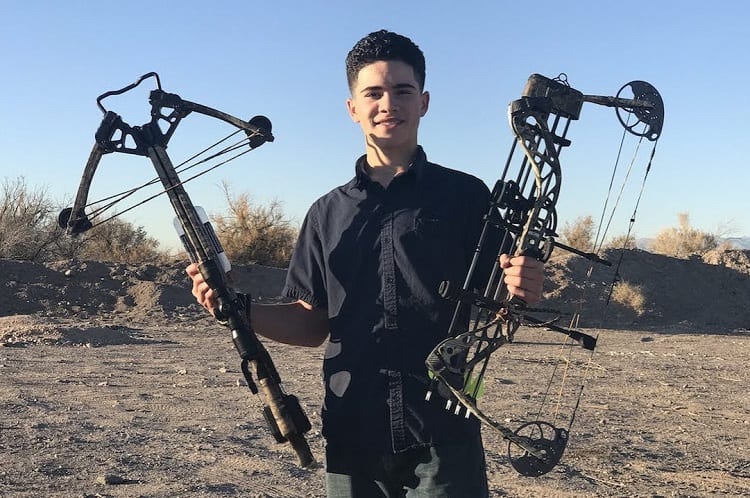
<point x="522" y="216"/>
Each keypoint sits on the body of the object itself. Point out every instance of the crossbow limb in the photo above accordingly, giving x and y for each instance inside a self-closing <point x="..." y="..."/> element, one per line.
<point x="283" y="413"/>
<point x="524" y="208"/>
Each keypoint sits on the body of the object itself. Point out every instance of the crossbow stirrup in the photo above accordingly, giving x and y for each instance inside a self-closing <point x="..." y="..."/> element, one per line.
<point x="522" y="214"/>
<point x="286" y="418"/>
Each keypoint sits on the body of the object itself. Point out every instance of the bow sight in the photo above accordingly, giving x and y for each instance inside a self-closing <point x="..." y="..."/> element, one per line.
<point x="523" y="209"/>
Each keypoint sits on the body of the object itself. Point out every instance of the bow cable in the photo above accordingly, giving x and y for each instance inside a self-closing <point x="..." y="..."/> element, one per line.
<point x="121" y="196"/>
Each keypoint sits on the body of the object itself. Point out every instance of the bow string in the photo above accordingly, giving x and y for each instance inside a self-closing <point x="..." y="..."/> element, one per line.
<point x="523" y="211"/>
<point x="282" y="412"/>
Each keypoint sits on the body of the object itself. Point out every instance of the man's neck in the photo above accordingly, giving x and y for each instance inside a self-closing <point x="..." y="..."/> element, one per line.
<point x="383" y="166"/>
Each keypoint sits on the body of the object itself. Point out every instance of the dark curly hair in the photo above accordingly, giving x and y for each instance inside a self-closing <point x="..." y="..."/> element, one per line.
<point x="384" y="45"/>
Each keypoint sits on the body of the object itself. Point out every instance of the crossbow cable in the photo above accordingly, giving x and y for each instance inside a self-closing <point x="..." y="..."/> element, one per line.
<point x="522" y="216"/>
<point x="283" y="413"/>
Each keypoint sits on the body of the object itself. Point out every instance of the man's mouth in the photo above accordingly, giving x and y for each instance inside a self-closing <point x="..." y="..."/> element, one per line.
<point x="388" y="122"/>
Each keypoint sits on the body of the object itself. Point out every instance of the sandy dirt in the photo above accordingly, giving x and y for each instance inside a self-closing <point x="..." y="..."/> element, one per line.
<point x="113" y="383"/>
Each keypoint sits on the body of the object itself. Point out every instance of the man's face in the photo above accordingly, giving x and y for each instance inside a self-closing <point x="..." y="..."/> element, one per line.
<point x="387" y="103"/>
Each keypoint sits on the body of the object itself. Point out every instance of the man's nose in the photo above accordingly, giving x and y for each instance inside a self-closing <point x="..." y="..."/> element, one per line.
<point x="388" y="103"/>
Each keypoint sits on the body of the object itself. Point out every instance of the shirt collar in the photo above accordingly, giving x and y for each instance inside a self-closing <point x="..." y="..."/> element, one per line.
<point x="417" y="168"/>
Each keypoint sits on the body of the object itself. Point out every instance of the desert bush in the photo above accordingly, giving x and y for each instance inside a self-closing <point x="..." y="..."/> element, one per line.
<point x="630" y="296"/>
<point x="684" y="241"/>
<point x="28" y="230"/>
<point x="116" y="240"/>
<point x="621" y="242"/>
<point x="580" y="233"/>
<point x="252" y="233"/>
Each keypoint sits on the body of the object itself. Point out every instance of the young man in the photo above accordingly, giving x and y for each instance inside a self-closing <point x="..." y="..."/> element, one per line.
<point x="365" y="274"/>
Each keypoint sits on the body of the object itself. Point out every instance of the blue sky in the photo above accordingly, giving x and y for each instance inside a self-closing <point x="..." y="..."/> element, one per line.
<point x="284" y="59"/>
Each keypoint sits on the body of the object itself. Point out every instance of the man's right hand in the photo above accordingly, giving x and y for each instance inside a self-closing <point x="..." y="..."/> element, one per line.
<point x="295" y="323"/>
<point x="201" y="290"/>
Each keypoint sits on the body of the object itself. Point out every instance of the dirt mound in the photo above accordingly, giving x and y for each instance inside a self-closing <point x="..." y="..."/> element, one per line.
<point x="706" y="293"/>
<point x="710" y="293"/>
<point x="92" y="288"/>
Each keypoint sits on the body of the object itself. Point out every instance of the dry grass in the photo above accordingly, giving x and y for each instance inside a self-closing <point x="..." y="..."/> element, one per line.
<point x="630" y="295"/>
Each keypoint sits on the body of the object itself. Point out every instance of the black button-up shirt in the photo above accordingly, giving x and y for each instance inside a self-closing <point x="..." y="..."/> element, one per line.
<point x="374" y="257"/>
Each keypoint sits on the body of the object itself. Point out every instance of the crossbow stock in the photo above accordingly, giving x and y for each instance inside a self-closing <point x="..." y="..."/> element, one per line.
<point x="524" y="208"/>
<point x="283" y="413"/>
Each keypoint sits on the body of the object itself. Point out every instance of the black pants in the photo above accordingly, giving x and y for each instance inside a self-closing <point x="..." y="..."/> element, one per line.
<point x="443" y="471"/>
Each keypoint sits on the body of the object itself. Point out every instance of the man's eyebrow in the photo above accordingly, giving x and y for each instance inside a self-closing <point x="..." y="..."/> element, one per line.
<point x="398" y="86"/>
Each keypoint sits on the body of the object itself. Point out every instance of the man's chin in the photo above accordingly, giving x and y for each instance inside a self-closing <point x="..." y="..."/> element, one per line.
<point x="388" y="141"/>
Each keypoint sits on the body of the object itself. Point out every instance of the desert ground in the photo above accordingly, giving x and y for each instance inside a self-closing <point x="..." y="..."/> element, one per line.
<point x="114" y="383"/>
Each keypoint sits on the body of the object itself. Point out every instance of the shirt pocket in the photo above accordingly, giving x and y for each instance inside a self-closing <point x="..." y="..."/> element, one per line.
<point x="440" y="238"/>
<point x="431" y="227"/>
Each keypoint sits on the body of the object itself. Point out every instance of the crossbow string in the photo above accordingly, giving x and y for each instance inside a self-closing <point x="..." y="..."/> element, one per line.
<point x="523" y="209"/>
<point x="283" y="413"/>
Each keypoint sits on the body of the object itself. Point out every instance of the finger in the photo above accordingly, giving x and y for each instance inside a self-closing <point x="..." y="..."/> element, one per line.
<point x="526" y="261"/>
<point x="192" y="270"/>
<point x="208" y="296"/>
<point x="525" y="288"/>
<point x="209" y="300"/>
<point x="527" y="283"/>
<point x="528" y="297"/>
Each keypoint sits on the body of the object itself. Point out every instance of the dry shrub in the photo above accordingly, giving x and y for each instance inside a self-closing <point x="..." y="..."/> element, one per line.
<point x="684" y="241"/>
<point x="28" y="230"/>
<point x="630" y="296"/>
<point x="621" y="242"/>
<point x="253" y="233"/>
<point x="116" y="240"/>
<point x="580" y="233"/>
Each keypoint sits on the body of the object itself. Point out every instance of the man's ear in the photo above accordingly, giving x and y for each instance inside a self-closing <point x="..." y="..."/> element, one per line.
<point x="425" y="103"/>
<point x="352" y="110"/>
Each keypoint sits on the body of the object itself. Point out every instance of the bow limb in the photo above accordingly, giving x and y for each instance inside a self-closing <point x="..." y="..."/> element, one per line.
<point x="257" y="129"/>
<point x="542" y="444"/>
<point x="114" y="135"/>
<point x="74" y="219"/>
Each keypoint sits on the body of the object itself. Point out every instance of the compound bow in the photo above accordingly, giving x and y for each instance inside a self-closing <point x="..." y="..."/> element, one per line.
<point x="283" y="413"/>
<point x="524" y="207"/>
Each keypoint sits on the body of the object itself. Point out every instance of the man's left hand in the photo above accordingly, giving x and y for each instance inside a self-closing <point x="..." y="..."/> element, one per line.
<point x="524" y="277"/>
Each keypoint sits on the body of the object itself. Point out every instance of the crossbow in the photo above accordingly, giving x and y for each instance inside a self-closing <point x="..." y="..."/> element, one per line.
<point x="283" y="413"/>
<point x="523" y="209"/>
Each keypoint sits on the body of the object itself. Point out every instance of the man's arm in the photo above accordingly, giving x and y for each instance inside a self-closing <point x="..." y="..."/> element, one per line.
<point x="295" y="323"/>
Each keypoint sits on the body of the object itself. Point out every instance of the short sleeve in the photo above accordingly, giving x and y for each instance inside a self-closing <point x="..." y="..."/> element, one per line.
<point x="305" y="278"/>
